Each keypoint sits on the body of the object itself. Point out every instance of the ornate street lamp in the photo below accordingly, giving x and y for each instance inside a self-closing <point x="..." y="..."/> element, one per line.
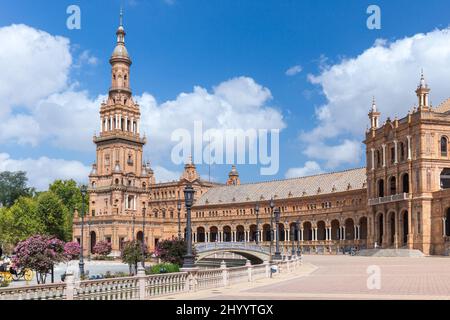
<point x="257" y="222"/>
<point x="188" y="200"/>
<point x="277" y="255"/>
<point x="179" y="221"/>
<point x="272" y="205"/>
<point x="297" y="223"/>
<point x="143" y="237"/>
<point x="81" y="263"/>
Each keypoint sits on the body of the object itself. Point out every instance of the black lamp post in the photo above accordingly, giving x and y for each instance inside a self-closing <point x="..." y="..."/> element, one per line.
<point x="179" y="220"/>
<point x="272" y="205"/>
<point x="257" y="222"/>
<point x="297" y="223"/>
<point x="81" y="263"/>
<point x="143" y="237"/>
<point x="277" y="255"/>
<point x="188" y="200"/>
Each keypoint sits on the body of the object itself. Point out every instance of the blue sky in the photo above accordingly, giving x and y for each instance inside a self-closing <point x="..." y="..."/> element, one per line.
<point x="176" y="45"/>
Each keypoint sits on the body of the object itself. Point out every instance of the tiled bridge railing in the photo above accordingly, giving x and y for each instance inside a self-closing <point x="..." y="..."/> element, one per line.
<point x="142" y="287"/>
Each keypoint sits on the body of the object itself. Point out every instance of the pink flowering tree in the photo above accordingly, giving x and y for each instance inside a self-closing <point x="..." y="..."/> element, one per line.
<point x="72" y="250"/>
<point x="39" y="253"/>
<point x="102" y="248"/>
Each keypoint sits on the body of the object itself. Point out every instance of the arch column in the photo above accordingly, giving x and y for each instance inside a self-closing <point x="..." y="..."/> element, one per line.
<point x="301" y="234"/>
<point x="444" y="226"/>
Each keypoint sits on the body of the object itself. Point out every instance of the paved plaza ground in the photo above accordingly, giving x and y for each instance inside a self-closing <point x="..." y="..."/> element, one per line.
<point x="345" y="277"/>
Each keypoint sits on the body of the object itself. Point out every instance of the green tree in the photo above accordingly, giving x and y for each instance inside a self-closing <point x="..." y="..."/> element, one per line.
<point x="13" y="185"/>
<point x="20" y="221"/>
<point x="54" y="215"/>
<point x="70" y="194"/>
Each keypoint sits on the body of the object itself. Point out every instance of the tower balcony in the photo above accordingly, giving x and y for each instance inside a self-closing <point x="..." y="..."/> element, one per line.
<point x="120" y="89"/>
<point x="119" y="135"/>
<point x="388" y="199"/>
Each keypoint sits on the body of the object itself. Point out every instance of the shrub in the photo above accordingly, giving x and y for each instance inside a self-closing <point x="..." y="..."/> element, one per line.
<point x="4" y="283"/>
<point x="172" y="250"/>
<point x="72" y="250"/>
<point x="163" y="268"/>
<point x="102" y="248"/>
<point x="39" y="253"/>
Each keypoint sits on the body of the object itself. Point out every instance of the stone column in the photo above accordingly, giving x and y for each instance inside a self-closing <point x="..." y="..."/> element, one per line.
<point x="409" y="148"/>
<point x="301" y="234"/>
<point x="384" y="154"/>
<point x="395" y="151"/>
<point x="444" y="227"/>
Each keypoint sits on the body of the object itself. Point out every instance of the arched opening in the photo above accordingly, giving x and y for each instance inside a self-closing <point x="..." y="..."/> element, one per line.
<point x="200" y="234"/>
<point x="378" y="156"/>
<point x="321" y="230"/>
<point x="281" y="233"/>
<point x="240" y="234"/>
<point x="405" y="183"/>
<point x="380" y="230"/>
<point x="140" y="236"/>
<point x="213" y="234"/>
<point x="307" y="231"/>
<point x="405" y="228"/>
<point x="226" y="234"/>
<point x="392" y="228"/>
<point x="402" y="151"/>
<point x="349" y="229"/>
<point x="445" y="178"/>
<point x="93" y="240"/>
<point x="294" y="231"/>
<point x="363" y="228"/>
<point x="447" y="223"/>
<point x="381" y="188"/>
<point x="444" y="146"/>
<point x="253" y="232"/>
<point x="392" y="186"/>
<point x="335" y="230"/>
<point x="266" y="232"/>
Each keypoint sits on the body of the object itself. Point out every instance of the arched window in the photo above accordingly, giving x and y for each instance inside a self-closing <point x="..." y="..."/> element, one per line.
<point x="405" y="183"/>
<point x="445" y="178"/>
<point x="392" y="186"/>
<point x="381" y="188"/>
<point x="402" y="151"/>
<point x="444" y="143"/>
<point x="378" y="159"/>
<point x="447" y="223"/>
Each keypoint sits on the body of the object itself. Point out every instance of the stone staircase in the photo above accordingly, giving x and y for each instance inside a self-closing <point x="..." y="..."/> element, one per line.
<point x="391" y="253"/>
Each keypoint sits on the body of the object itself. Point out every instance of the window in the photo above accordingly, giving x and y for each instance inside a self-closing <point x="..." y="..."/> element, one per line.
<point x="392" y="155"/>
<point x="381" y="188"/>
<point x="444" y="146"/>
<point x="378" y="158"/>
<point x="402" y="151"/>
<point x="392" y="186"/>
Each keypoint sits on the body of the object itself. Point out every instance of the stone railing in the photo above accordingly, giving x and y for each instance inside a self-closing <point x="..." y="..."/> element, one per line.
<point x="142" y="286"/>
<point x="209" y="246"/>
<point x="387" y="199"/>
<point x="35" y="292"/>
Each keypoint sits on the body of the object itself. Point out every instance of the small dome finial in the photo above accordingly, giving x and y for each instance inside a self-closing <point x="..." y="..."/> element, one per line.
<point x="121" y="17"/>
<point x="374" y="105"/>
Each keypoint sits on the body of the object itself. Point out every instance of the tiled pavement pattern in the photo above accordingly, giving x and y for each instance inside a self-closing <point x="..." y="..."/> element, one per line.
<point x="345" y="277"/>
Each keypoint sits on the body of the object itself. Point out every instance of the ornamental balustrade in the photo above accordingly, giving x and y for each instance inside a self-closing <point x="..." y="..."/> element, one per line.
<point x="142" y="286"/>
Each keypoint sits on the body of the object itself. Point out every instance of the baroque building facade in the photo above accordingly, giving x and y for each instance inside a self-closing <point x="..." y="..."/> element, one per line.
<point x="401" y="199"/>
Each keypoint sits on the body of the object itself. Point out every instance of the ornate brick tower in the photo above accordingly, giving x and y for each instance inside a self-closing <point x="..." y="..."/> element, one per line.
<point x="119" y="178"/>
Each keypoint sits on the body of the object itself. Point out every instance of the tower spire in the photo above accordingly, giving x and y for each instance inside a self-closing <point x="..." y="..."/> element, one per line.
<point x="374" y="115"/>
<point x="422" y="92"/>
<point x="121" y="17"/>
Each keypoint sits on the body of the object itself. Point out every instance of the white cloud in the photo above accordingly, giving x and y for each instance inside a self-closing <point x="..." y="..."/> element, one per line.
<point x="292" y="71"/>
<point x="43" y="171"/>
<point x="310" y="168"/>
<point x="390" y="71"/>
<point x="348" y="152"/>
<point x="239" y="103"/>
<point x="163" y="174"/>
<point x="34" y="64"/>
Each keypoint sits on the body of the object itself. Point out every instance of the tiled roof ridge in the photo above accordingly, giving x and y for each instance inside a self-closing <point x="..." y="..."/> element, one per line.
<point x="298" y="178"/>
